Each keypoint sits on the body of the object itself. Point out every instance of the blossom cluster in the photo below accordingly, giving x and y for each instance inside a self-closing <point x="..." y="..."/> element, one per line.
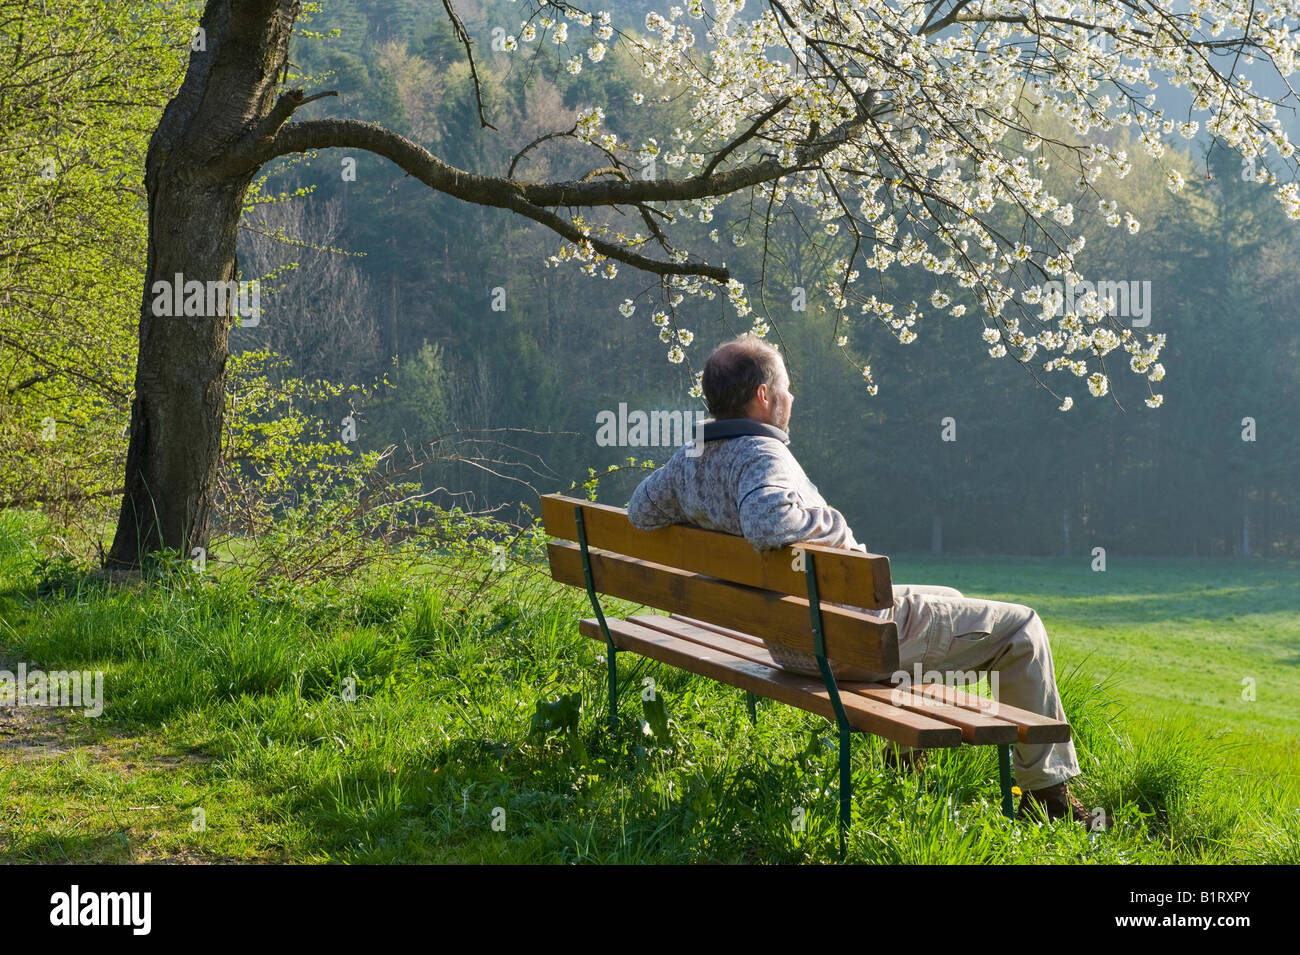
<point x="911" y="131"/>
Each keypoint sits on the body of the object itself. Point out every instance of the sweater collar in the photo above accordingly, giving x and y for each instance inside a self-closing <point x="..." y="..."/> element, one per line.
<point x="722" y="429"/>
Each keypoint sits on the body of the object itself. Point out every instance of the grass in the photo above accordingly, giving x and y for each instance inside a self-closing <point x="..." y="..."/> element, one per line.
<point x="314" y="726"/>
<point x="1212" y="646"/>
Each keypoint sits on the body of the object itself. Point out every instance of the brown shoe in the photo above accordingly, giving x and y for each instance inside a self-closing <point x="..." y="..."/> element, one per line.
<point x="1057" y="802"/>
<point x="903" y="761"/>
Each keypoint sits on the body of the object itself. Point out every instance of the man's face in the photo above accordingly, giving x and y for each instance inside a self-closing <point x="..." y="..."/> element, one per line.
<point x="780" y="400"/>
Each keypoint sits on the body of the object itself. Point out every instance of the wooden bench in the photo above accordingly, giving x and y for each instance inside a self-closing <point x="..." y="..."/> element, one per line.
<point x="724" y="597"/>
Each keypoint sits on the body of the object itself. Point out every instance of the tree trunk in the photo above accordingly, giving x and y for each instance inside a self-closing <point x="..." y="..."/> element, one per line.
<point x="195" y="199"/>
<point x="171" y="463"/>
<point x="1245" y="523"/>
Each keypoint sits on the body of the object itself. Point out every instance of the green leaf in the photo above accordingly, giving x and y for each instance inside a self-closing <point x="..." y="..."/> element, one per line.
<point x="656" y="714"/>
<point x="558" y="716"/>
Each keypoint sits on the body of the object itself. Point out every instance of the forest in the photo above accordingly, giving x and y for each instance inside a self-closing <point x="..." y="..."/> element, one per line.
<point x="369" y="277"/>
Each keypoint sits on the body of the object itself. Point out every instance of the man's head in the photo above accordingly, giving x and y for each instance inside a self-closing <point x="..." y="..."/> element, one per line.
<point x="746" y="378"/>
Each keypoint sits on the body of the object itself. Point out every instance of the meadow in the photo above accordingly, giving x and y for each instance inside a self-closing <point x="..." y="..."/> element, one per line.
<point x="385" y="722"/>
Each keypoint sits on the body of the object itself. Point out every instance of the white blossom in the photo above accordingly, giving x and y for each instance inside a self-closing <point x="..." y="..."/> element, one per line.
<point x="974" y="93"/>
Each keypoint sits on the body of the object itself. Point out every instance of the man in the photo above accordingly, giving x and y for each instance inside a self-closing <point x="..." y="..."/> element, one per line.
<point x="752" y="486"/>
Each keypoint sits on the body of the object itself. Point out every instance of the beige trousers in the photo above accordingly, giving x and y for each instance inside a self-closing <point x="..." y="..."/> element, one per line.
<point x="944" y="631"/>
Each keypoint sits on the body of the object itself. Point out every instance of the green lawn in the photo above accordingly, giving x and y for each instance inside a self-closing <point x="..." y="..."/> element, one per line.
<point x="1188" y="640"/>
<point x="387" y="725"/>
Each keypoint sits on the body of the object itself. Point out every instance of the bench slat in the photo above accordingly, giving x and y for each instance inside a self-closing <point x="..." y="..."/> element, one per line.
<point x="977" y="728"/>
<point x="718" y="628"/>
<point x="870" y="716"/>
<point x="706" y="637"/>
<point x="843" y="576"/>
<point x="852" y="637"/>
<point x="1032" y="727"/>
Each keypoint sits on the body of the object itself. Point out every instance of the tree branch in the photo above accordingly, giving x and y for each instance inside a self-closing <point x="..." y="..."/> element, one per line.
<point x="463" y="36"/>
<point x="275" y="137"/>
<point x="510" y="173"/>
<point x="528" y="199"/>
<point x="284" y="108"/>
<point x="749" y="134"/>
<point x="491" y="190"/>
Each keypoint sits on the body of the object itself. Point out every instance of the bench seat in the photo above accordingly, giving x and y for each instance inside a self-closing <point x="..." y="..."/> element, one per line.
<point x="927" y="716"/>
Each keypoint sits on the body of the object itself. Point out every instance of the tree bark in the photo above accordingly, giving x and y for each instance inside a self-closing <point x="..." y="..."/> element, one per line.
<point x="195" y="201"/>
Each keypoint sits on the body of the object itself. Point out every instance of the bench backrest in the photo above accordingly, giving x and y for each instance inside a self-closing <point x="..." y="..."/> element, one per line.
<point x="722" y="579"/>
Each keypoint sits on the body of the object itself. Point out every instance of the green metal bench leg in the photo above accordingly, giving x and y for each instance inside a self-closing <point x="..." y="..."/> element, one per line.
<point x="610" y="652"/>
<point x="846" y="789"/>
<point x="841" y="718"/>
<point x="1004" y="774"/>
<point x="751" y="704"/>
<point x="610" y="649"/>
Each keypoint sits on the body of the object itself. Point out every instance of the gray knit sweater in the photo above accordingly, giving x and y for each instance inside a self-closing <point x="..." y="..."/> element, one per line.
<point x="750" y="486"/>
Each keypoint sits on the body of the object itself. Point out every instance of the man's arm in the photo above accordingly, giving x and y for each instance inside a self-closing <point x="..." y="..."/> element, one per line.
<point x="773" y="514"/>
<point x="653" y="504"/>
<point x="855" y="545"/>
